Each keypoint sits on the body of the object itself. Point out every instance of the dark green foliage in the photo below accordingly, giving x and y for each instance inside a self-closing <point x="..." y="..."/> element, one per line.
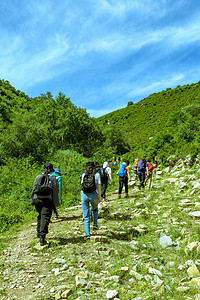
<point x="46" y="126"/>
<point x="8" y="219"/>
<point x="71" y="165"/>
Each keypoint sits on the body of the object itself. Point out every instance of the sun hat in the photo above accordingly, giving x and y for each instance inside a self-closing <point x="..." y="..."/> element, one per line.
<point x="57" y="170"/>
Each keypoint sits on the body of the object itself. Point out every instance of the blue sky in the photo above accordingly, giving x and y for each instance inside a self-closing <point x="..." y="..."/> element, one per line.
<point x="100" y="53"/>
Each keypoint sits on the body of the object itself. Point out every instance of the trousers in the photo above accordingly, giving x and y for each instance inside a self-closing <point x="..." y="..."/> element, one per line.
<point x="123" y="181"/>
<point x="44" y="209"/>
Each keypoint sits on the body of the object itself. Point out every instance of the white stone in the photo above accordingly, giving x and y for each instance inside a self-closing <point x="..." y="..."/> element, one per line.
<point x="191" y="247"/>
<point x="165" y="241"/>
<point x="155" y="272"/>
<point x="195" y="214"/>
<point x="111" y="294"/>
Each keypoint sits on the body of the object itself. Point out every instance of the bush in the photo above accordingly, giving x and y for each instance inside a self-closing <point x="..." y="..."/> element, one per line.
<point x="8" y="219"/>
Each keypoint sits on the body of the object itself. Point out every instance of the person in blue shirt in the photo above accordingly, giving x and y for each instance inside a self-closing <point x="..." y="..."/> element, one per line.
<point x="58" y="176"/>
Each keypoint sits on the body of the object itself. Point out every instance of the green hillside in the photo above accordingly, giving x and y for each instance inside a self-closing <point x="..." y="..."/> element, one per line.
<point x="142" y="121"/>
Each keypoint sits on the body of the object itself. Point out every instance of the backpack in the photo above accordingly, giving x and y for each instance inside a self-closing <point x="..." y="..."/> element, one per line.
<point x="122" y="171"/>
<point x="136" y="162"/>
<point x="150" y="166"/>
<point x="43" y="186"/>
<point x="141" y="165"/>
<point x="88" y="185"/>
<point x="103" y="173"/>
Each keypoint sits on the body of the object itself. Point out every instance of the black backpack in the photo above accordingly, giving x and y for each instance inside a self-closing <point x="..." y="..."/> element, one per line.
<point x="43" y="186"/>
<point x="88" y="185"/>
<point x="103" y="173"/>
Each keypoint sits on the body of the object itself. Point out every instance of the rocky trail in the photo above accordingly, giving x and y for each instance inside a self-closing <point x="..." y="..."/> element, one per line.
<point x="147" y="247"/>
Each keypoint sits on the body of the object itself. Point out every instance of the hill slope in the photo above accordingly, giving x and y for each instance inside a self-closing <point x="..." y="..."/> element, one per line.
<point x="147" y="244"/>
<point x="143" y="120"/>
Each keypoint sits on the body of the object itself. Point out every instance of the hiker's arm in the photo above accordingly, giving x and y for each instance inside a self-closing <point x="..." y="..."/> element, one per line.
<point x="99" y="191"/>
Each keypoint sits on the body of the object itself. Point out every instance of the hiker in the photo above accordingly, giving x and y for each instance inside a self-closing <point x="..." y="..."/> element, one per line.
<point x="58" y="176"/>
<point x="90" y="194"/>
<point x="150" y="175"/>
<point x="105" y="174"/>
<point x="44" y="197"/>
<point x="142" y="170"/>
<point x="124" y="175"/>
<point x="135" y="168"/>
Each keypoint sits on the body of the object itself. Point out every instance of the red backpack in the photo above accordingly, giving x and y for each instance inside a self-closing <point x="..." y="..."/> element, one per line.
<point x="150" y="166"/>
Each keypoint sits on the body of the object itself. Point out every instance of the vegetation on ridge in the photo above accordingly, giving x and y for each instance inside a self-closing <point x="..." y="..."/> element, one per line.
<point x="162" y="124"/>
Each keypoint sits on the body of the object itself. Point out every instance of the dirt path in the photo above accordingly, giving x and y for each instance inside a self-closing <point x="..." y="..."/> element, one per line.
<point x="26" y="270"/>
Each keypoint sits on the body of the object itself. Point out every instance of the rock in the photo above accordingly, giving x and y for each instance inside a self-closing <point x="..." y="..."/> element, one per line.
<point x="167" y="170"/>
<point x="83" y="275"/>
<point x="170" y="264"/>
<point x="111" y="294"/>
<point x="185" y="203"/>
<point x="182" y="288"/>
<point x="58" y="296"/>
<point x="195" y="214"/>
<point x="80" y="281"/>
<point x="157" y="280"/>
<point x="97" y="238"/>
<point x="155" y="272"/>
<point x="195" y="281"/>
<point x="193" y="271"/>
<point x="159" y="172"/>
<point x="124" y="269"/>
<point x="165" y="241"/>
<point x="188" y="161"/>
<point x="134" y="244"/>
<point x="191" y="247"/>
<point x="139" y="205"/>
<point x="66" y="293"/>
<point x="59" y="261"/>
<point x="171" y="160"/>
<point x="39" y="247"/>
<point x="136" y="275"/>
<point x="115" y="278"/>
<point x="197" y="205"/>
<point x="182" y="185"/>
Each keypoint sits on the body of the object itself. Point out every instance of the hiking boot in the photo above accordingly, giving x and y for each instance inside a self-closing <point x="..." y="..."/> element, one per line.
<point x="86" y="238"/>
<point x="126" y="196"/>
<point x="42" y="240"/>
<point x="95" y="227"/>
<point x="38" y="235"/>
<point x="119" y="196"/>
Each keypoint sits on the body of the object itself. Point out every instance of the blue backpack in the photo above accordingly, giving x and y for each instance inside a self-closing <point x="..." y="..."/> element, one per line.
<point x="122" y="171"/>
<point x="141" y="165"/>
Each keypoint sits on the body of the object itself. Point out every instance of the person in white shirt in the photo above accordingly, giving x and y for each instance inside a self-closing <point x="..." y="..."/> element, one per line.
<point x="105" y="176"/>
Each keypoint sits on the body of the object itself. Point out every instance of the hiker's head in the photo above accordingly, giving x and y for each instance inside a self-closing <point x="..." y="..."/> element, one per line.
<point x="48" y="168"/>
<point x="106" y="164"/>
<point x="89" y="167"/>
<point x="57" y="171"/>
<point x="96" y="164"/>
<point x="124" y="163"/>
